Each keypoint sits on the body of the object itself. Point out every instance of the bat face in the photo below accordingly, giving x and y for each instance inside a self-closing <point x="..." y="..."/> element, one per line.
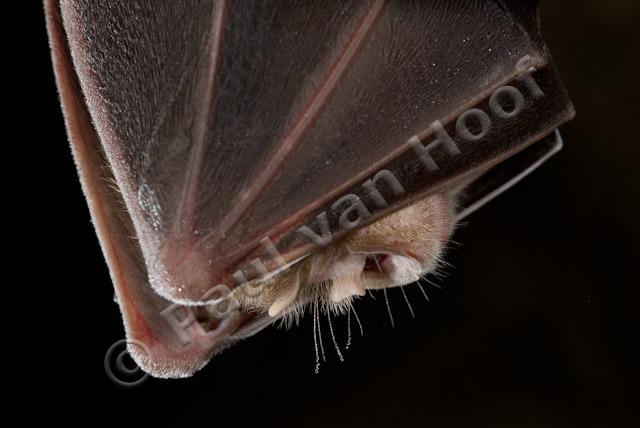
<point x="245" y="161"/>
<point x="394" y="251"/>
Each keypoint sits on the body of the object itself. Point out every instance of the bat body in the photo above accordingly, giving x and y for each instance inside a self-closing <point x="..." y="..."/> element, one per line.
<point x="243" y="161"/>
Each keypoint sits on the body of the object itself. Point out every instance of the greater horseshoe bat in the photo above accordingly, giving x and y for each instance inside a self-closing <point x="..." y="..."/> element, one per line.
<point x="246" y="161"/>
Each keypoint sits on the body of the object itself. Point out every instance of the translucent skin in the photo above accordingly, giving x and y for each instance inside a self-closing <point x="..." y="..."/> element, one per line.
<point x="192" y="148"/>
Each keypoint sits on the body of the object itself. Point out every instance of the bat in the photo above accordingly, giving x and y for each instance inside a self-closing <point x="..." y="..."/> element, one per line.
<point x="246" y="162"/>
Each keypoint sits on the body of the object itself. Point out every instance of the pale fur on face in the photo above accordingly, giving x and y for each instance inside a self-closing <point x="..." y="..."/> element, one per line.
<point x="394" y="251"/>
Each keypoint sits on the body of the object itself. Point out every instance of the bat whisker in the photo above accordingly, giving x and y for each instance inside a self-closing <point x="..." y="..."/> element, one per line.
<point x="386" y="299"/>
<point x="333" y="337"/>
<point x="317" y="314"/>
<point x="406" y="299"/>
<point x="370" y="293"/>
<point x="315" y="340"/>
<point x="375" y="259"/>
<point x="352" y="308"/>
<point x="366" y="284"/>
<point x="443" y="262"/>
<point x="348" y="328"/>
<point x="432" y="283"/>
<point x="453" y="241"/>
<point x="424" y="293"/>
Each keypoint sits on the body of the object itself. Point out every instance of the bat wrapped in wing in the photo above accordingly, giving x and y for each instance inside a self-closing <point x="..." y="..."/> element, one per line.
<point x="244" y="161"/>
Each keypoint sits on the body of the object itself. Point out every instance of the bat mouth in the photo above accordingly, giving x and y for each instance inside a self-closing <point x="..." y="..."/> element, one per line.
<point x="374" y="263"/>
<point x="247" y="322"/>
<point x="254" y="323"/>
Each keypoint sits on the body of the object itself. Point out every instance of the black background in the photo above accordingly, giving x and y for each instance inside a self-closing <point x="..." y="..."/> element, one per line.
<point x="536" y="324"/>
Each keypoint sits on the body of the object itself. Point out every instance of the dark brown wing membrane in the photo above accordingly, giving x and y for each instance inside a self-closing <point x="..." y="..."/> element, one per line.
<point x="224" y="123"/>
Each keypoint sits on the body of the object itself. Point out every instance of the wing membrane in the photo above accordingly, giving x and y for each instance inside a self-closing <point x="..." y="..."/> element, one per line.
<point x="224" y="123"/>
